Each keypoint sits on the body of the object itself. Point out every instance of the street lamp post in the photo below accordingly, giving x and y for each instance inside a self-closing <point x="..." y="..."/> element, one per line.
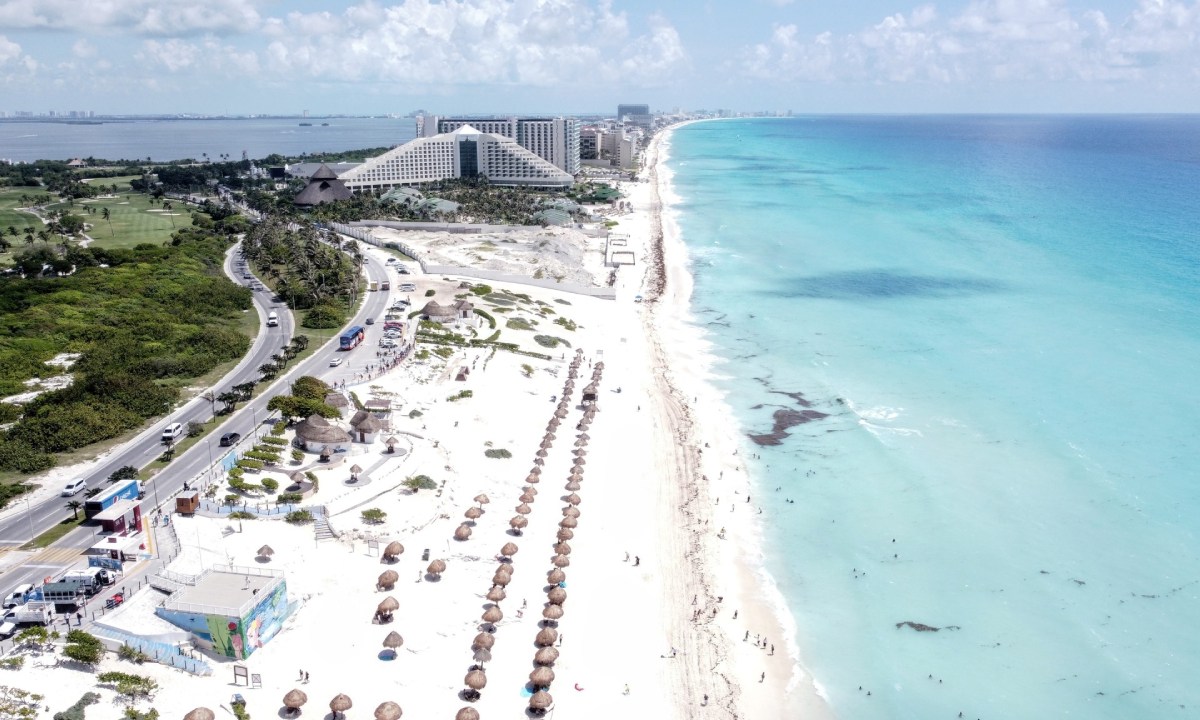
<point x="29" y="517"/>
<point x="208" y="443"/>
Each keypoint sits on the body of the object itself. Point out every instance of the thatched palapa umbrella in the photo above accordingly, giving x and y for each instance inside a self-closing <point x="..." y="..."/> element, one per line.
<point x="200" y="713"/>
<point x="560" y="414"/>
<point x="533" y="479"/>
<point x="482" y="500"/>
<point x="388" y="711"/>
<point x="340" y="704"/>
<point x="572" y="486"/>
<point x="573" y="499"/>
<point x="565" y="534"/>
<point x="539" y="461"/>
<point x="476" y="680"/>
<point x="526" y="497"/>
<point x="484" y="640"/>
<point x="482" y="656"/>
<point x="496" y="594"/>
<point x="388" y="604"/>
<point x="265" y="552"/>
<point x="387" y="580"/>
<point x="473" y="513"/>
<point x="546" y="637"/>
<point x="556" y="576"/>
<point x="541" y="453"/>
<point x="524" y="509"/>
<point x="436" y="568"/>
<point x="546" y="656"/>
<point x="535" y="470"/>
<point x="552" y="612"/>
<point x="295" y="699"/>
<point x="517" y="523"/>
<point x="562" y="549"/>
<point x="391" y="443"/>
<point x="467" y="714"/>
<point x="393" y="550"/>
<point x="462" y="532"/>
<point x="505" y="569"/>
<point x="500" y="580"/>
<point x="571" y="511"/>
<point x="393" y="641"/>
<point x="355" y="470"/>
<point x="561" y="561"/>
<point x="568" y="522"/>
<point x="578" y="466"/>
<point x="579" y="452"/>
<point x="530" y="489"/>
<point x="541" y="677"/>
<point x="556" y="595"/>
<point x="492" y="615"/>
<point x="541" y="701"/>
<point x="509" y="550"/>
<point x="575" y="477"/>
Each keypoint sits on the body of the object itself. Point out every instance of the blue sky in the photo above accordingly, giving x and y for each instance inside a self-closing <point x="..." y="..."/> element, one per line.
<point x="455" y="56"/>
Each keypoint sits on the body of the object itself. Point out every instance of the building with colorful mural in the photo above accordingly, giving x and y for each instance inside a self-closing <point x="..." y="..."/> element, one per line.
<point x="230" y="610"/>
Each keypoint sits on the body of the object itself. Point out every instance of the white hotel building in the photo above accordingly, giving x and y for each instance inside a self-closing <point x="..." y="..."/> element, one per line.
<point x="555" y="140"/>
<point x="465" y="152"/>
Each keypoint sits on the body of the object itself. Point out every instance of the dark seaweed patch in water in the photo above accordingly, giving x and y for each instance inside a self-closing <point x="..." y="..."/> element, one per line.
<point x="784" y="419"/>
<point x="885" y="284"/>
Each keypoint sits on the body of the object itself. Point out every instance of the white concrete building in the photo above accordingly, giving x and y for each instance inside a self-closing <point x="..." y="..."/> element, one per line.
<point x="554" y="139"/>
<point x="466" y="152"/>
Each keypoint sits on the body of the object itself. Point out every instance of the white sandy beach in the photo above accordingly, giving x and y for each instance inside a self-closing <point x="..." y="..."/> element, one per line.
<point x="661" y="452"/>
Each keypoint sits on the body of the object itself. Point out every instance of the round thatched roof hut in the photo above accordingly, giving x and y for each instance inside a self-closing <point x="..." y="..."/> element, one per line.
<point x="316" y="432"/>
<point x="438" y="312"/>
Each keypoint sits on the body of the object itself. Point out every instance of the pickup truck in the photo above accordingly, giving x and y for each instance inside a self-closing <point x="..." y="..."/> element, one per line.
<point x="34" y="612"/>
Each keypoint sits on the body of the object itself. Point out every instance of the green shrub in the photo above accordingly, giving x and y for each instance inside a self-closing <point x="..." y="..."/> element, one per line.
<point x="131" y="686"/>
<point x="265" y="457"/>
<point x="132" y="713"/>
<point x="415" y="413"/>
<point x="297" y="456"/>
<point x="482" y="290"/>
<point x="195" y="429"/>
<point x="526" y="369"/>
<point x="443" y="352"/>
<point x="236" y="473"/>
<point x="516" y="323"/>
<point x="241" y="515"/>
<point x="492" y="338"/>
<point x="430" y="293"/>
<point x="273" y="440"/>
<point x="373" y="516"/>
<point x="290" y="498"/>
<point x="132" y="654"/>
<point x="270" y="484"/>
<point x="422" y="354"/>
<point x="568" y="324"/>
<point x="250" y="464"/>
<point x="549" y="341"/>
<point x="75" y="712"/>
<point x="83" y="648"/>
<point x="298" y="517"/>
<point x="460" y="396"/>
<point x="13" y="663"/>
<point x="419" y="482"/>
<point x="497" y="453"/>
<point x="324" y="317"/>
<point x="278" y="428"/>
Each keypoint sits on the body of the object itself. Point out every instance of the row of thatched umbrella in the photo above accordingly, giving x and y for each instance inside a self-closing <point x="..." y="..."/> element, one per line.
<point x="296" y="698"/>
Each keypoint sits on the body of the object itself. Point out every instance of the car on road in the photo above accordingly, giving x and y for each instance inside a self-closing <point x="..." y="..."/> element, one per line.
<point x="172" y="432"/>
<point x="385" y="343"/>
<point x="401" y="269"/>
<point x="247" y="276"/>
<point x="74" y="487"/>
<point x="336" y="361"/>
<point x="230" y="438"/>
<point x="391" y="260"/>
<point x="370" y="321"/>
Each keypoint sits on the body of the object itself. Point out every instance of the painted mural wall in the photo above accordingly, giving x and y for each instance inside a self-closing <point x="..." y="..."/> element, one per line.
<point x="233" y="637"/>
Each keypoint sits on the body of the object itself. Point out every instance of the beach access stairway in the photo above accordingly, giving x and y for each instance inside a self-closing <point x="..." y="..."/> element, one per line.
<point x="158" y="651"/>
<point x="321" y="524"/>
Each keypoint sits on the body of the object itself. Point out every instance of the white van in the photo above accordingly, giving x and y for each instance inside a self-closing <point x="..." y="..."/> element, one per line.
<point x="17" y="596"/>
<point x="273" y="319"/>
<point x="407" y="287"/>
<point x="172" y="432"/>
<point x="74" y="487"/>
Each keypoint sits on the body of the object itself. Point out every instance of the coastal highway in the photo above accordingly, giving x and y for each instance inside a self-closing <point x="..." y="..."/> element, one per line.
<point x="191" y="464"/>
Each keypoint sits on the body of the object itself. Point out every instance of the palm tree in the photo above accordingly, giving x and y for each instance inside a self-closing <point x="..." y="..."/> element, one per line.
<point x="74" y="506"/>
<point x="166" y="206"/>
<point x="28" y="235"/>
<point x="108" y="218"/>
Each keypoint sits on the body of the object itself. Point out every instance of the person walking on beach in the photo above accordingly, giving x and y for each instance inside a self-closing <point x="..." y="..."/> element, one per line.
<point x="636" y="561"/>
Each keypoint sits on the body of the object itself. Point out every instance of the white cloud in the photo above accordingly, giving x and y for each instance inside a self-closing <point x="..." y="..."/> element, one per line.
<point x="146" y="17"/>
<point x="83" y="49"/>
<point x="419" y="42"/>
<point x="1004" y="40"/>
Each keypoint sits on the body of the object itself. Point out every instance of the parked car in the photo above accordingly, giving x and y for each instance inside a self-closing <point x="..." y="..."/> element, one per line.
<point x="172" y="432"/>
<point x="370" y="321"/>
<point x="230" y="439"/>
<point x="74" y="487"/>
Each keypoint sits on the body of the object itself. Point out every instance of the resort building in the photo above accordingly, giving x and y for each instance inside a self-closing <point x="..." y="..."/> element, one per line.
<point x="316" y="434"/>
<point x="554" y="139"/>
<point x="465" y="152"/>
<point x="435" y="311"/>
<point x="230" y="611"/>
<point x="635" y="115"/>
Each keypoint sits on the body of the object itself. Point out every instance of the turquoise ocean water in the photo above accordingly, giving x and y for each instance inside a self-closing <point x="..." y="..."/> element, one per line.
<point x="1000" y="319"/>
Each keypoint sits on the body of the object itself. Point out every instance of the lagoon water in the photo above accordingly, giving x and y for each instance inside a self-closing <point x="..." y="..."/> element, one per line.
<point x="1000" y="319"/>
<point x="165" y="140"/>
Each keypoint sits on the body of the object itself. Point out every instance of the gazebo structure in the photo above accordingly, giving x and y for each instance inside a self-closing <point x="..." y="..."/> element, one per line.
<point x="435" y="311"/>
<point x="316" y="434"/>
<point x="337" y="401"/>
<point x="366" y="426"/>
<point x="324" y="186"/>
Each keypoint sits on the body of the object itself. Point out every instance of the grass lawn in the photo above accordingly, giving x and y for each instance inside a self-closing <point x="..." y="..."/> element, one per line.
<point x="55" y="533"/>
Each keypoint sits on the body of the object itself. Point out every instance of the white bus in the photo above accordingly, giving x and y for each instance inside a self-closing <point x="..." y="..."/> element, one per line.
<point x="272" y="319"/>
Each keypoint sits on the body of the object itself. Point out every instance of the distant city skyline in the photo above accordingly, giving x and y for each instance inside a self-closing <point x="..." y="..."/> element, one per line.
<point x="239" y="57"/>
